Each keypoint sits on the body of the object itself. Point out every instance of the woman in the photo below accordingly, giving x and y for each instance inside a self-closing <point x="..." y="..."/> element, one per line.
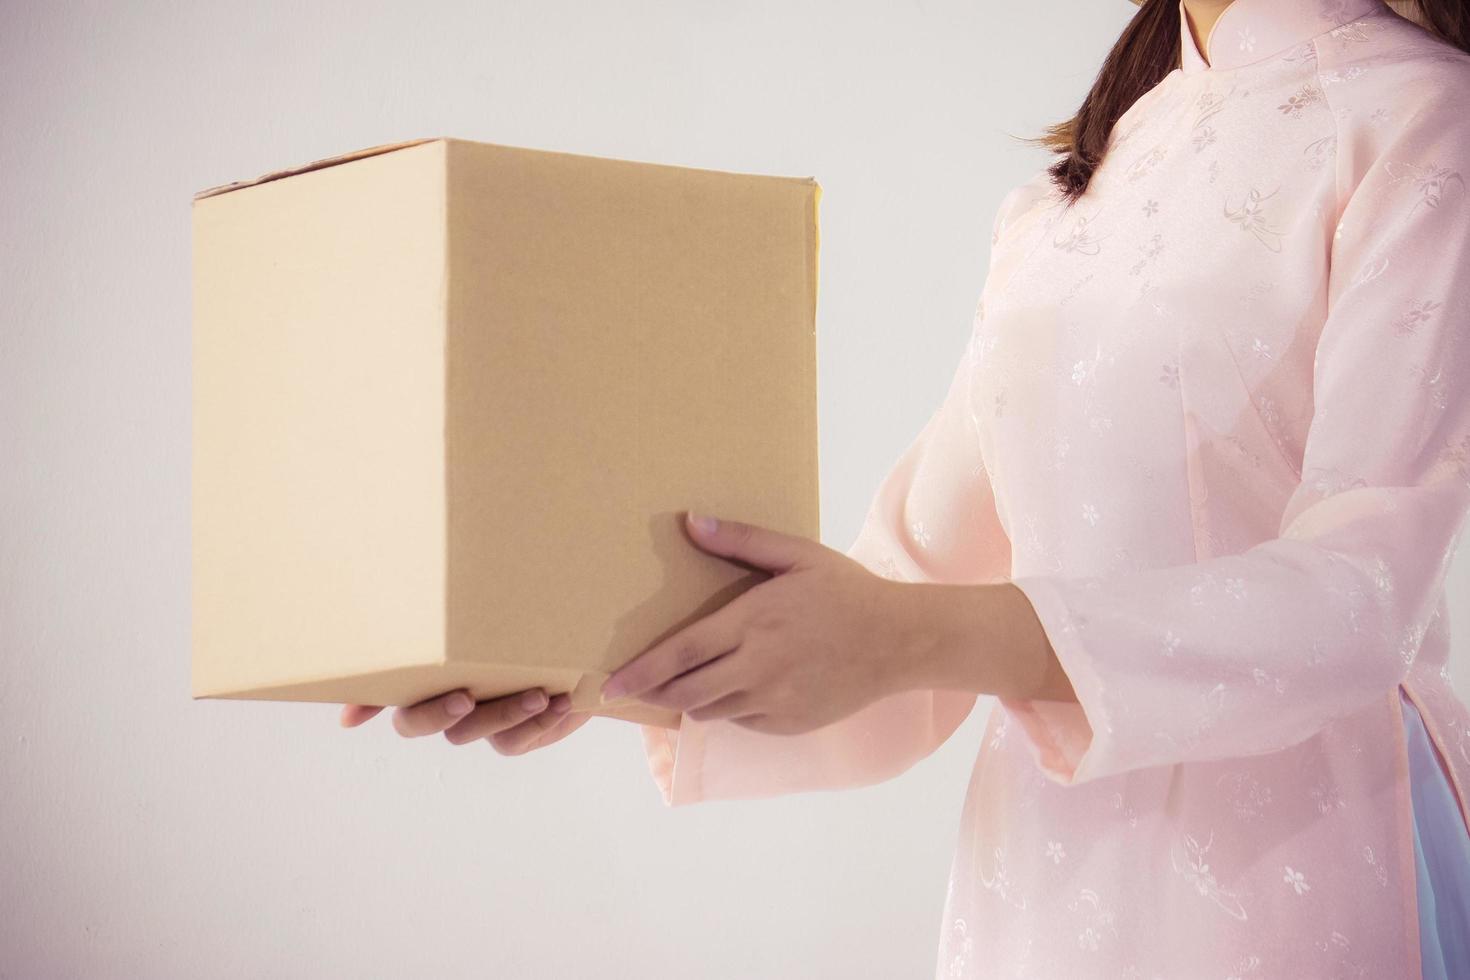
<point x="1185" y="511"/>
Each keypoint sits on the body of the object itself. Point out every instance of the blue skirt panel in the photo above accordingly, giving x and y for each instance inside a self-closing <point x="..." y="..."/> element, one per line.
<point x="1441" y="855"/>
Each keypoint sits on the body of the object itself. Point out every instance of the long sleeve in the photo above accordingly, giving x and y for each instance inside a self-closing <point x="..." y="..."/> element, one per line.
<point x="932" y="519"/>
<point x="1252" y="652"/>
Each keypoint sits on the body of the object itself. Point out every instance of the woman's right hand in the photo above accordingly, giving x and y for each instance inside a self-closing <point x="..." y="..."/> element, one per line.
<point x="511" y="725"/>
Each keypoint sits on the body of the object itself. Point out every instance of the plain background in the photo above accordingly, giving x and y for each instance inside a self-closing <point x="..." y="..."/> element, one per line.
<point x="145" y="835"/>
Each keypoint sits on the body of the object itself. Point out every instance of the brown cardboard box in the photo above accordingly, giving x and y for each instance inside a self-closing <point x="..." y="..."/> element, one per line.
<point x="452" y="398"/>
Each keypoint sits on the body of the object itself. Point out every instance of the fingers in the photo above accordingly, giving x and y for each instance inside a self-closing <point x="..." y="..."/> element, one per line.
<point x="718" y="680"/>
<point x="433" y="715"/>
<point x="690" y="648"/>
<point x="355" y="714"/>
<point x="750" y="543"/>
<point x="538" y="732"/>
<point x="513" y="724"/>
<point x="497" y="715"/>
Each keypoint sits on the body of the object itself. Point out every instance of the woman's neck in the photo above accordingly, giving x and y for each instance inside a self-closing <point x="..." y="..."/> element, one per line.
<point x="1202" y="15"/>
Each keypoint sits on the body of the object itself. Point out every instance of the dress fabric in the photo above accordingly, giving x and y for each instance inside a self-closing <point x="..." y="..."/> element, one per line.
<point x="1442" y="858"/>
<point x="1213" y="419"/>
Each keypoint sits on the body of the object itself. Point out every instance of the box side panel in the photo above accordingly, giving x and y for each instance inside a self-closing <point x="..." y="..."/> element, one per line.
<point x="318" y="509"/>
<point x="625" y="342"/>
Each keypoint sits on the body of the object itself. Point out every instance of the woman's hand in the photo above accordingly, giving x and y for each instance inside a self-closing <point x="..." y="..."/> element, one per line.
<point x="513" y="724"/>
<point x="821" y="639"/>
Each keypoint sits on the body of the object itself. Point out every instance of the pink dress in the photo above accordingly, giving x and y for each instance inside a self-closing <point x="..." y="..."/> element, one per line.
<point x="1214" y="421"/>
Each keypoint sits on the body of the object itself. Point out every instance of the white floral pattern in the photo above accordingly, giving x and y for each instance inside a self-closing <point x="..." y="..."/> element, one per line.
<point x="1189" y="861"/>
<point x="1214" y="422"/>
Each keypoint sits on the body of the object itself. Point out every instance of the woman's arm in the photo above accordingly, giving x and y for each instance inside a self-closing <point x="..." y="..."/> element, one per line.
<point x="932" y="519"/>
<point x="984" y="639"/>
<point x="1249" y="653"/>
<point x="932" y="514"/>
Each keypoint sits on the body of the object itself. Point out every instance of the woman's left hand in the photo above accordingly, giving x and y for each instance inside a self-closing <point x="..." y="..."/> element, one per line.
<point x="816" y="642"/>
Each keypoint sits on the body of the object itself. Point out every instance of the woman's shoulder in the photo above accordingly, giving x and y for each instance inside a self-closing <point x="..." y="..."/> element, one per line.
<point x="1020" y="198"/>
<point x="1383" y="63"/>
<point x="1400" y="95"/>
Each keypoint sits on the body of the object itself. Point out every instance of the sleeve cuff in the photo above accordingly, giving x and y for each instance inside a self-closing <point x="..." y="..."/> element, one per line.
<point x="675" y="759"/>
<point x="1065" y="737"/>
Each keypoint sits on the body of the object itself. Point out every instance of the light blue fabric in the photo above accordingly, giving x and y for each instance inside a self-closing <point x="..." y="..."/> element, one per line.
<point x="1441" y="856"/>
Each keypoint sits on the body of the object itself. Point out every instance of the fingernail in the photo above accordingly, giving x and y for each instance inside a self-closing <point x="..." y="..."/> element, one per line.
<point x="702" y="524"/>
<point x="610" y="691"/>
<point x="533" y="700"/>
<point x="459" y="703"/>
<point x="562" y="704"/>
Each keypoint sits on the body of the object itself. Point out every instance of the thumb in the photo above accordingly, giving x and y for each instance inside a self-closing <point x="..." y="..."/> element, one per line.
<point x="754" y="545"/>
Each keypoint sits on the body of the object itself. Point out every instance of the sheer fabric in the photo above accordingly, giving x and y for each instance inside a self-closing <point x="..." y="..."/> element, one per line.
<point x="1214" y="420"/>
<point x="1441" y="855"/>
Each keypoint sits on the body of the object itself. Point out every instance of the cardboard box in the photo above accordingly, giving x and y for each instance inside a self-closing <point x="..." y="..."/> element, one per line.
<point x="452" y="398"/>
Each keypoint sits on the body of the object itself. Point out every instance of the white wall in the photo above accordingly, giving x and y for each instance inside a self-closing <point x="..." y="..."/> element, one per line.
<point x="144" y="835"/>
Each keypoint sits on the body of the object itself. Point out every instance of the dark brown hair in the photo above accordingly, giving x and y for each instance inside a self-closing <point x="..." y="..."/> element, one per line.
<point x="1147" y="50"/>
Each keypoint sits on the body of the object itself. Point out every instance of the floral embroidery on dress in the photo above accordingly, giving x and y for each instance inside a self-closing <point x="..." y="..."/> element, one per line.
<point x="1371" y="270"/>
<point x="1457" y="455"/>
<point x="1209" y="104"/>
<point x="1059" y="453"/>
<point x="1326" y="481"/>
<point x="1078" y="238"/>
<point x="1320" y="151"/>
<point x="1302" y="54"/>
<point x="1252" y="218"/>
<point x="1246" y="795"/>
<point x="1150" y="159"/>
<point x="1246" y="966"/>
<point x="1075" y="288"/>
<point x="1435" y="384"/>
<point x="1196" y="870"/>
<point x="1380" y="873"/>
<point x="1325" y="795"/>
<point x="1353" y="32"/>
<point x="1150" y="250"/>
<point x="1343" y="967"/>
<point x="999" y="882"/>
<point x="1097" y="920"/>
<point x="1410" y="641"/>
<point x="1169" y="375"/>
<point x="920" y="533"/>
<point x="1307" y="95"/>
<point x="998" y="737"/>
<point x="1244" y="451"/>
<point x="1129" y="812"/>
<point x="1211" y="704"/>
<point x="1432" y="181"/>
<point x="1338" y="76"/>
<point x="1264" y="679"/>
<point x="1296" y="880"/>
<point x="963" y="945"/>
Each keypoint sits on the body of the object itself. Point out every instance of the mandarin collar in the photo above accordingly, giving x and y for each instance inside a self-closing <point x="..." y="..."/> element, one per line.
<point x="1252" y="31"/>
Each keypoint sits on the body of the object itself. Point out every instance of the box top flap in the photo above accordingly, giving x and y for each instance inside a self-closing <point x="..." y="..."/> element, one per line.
<point x="314" y="165"/>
